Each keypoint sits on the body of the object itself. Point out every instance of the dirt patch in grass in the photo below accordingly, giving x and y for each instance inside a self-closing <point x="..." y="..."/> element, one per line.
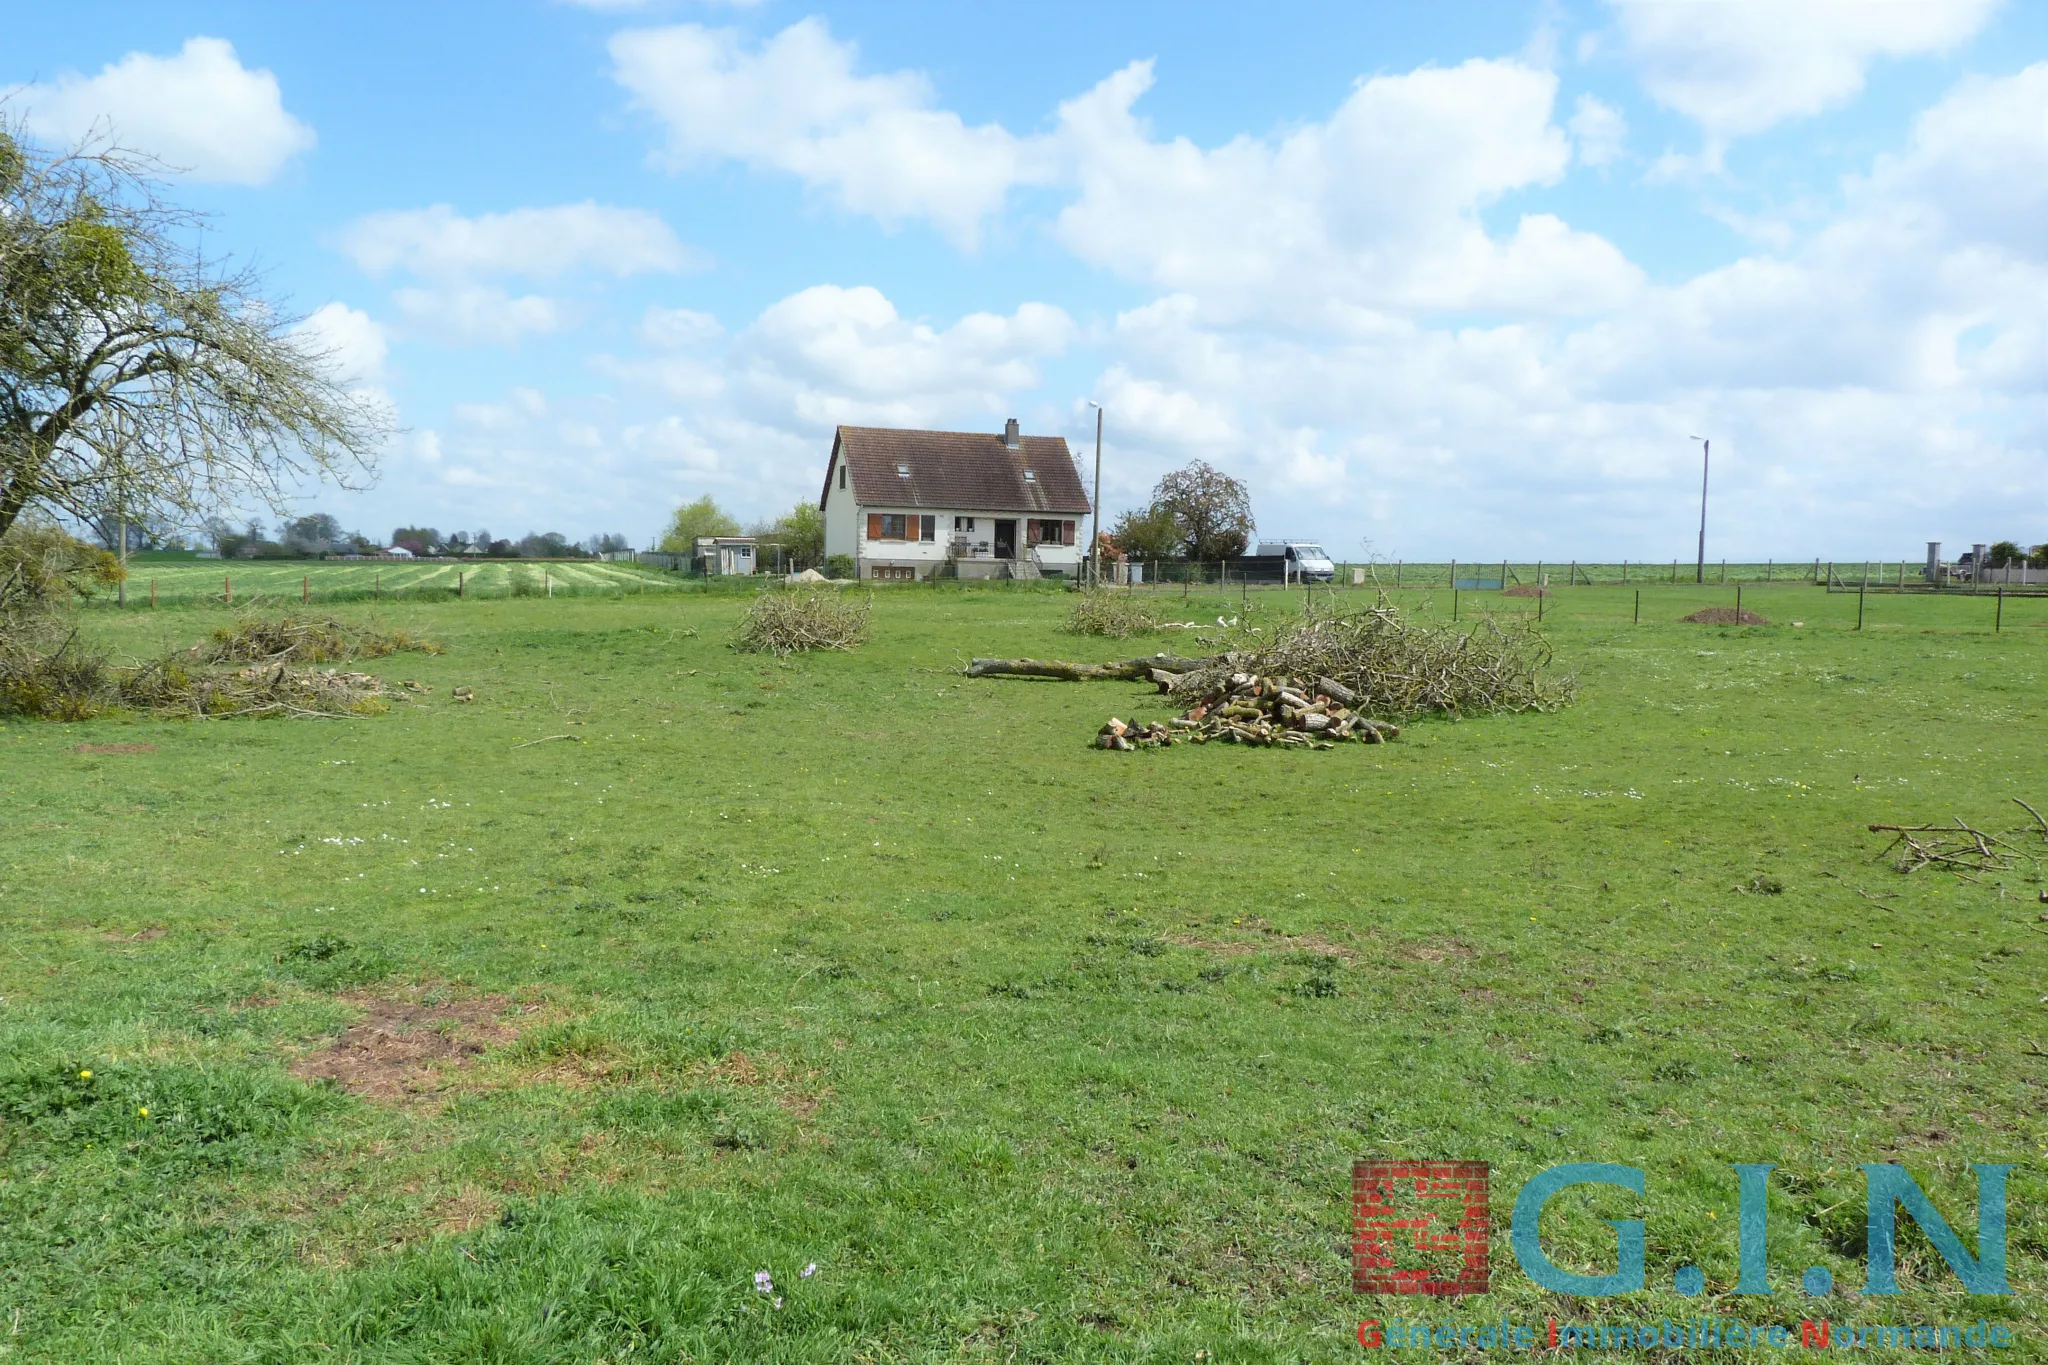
<point x="1438" y="950"/>
<point x="1274" y="942"/>
<point x="1725" y="616"/>
<point x="793" y="1093"/>
<point x="405" y="1052"/>
<point x="1526" y="590"/>
<point x="114" y="749"/>
<point x="149" y="935"/>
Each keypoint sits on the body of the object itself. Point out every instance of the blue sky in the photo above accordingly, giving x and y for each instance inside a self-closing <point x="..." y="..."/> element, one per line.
<point x="1433" y="280"/>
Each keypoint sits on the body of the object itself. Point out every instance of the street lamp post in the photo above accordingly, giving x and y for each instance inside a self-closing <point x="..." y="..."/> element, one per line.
<point x="1095" y="541"/>
<point x="1706" y="450"/>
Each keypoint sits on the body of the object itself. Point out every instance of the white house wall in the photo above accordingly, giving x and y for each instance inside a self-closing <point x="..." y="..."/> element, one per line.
<point x="925" y="556"/>
<point x="842" y="520"/>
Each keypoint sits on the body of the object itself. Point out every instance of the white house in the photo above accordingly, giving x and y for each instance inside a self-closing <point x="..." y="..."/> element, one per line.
<point x="909" y="504"/>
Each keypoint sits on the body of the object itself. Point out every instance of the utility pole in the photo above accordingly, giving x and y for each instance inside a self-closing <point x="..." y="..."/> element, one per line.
<point x="1095" y="543"/>
<point x="1706" y="450"/>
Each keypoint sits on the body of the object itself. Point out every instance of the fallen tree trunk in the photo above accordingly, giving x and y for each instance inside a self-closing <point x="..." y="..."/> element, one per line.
<point x="1125" y="670"/>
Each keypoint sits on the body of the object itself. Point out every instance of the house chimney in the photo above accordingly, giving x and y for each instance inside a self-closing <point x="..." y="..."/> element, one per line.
<point x="1011" y="440"/>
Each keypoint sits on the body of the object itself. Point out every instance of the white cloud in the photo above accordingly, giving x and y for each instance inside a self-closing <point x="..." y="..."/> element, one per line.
<point x="201" y="112"/>
<point x="438" y="242"/>
<point x="472" y="313"/>
<point x="1740" y="66"/>
<point x="1376" y="207"/>
<point x="356" y="349"/>
<point x="1600" y="129"/>
<point x="795" y="104"/>
<point x="1977" y="163"/>
<point x="353" y="341"/>
<point x="677" y="328"/>
<point x="829" y="354"/>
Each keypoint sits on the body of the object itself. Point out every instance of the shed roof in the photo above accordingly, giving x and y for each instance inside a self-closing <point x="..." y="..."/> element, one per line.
<point x="957" y="471"/>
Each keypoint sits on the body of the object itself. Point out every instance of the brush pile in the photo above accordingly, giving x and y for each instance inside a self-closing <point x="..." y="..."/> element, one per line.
<point x="303" y="640"/>
<point x="1394" y="666"/>
<point x="786" y="623"/>
<point x="1118" y="615"/>
<point x="1246" y="708"/>
<point x="1961" y="848"/>
<point x="169" y="687"/>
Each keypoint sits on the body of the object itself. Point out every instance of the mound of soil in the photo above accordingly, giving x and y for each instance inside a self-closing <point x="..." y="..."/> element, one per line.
<point x="1525" y="590"/>
<point x="1725" y="616"/>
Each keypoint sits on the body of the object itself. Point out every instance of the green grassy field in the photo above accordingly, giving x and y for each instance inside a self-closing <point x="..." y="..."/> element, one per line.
<point x="658" y="967"/>
<point x="209" y="581"/>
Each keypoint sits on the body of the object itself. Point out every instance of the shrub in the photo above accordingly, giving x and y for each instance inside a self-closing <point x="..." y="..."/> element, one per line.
<point x="840" y="566"/>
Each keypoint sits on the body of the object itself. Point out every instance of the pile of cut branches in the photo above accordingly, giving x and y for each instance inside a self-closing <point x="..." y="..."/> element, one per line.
<point x="1961" y="848"/>
<point x="1118" y="615"/>
<point x="790" y="622"/>
<point x="1396" y="666"/>
<point x="303" y="640"/>
<point x="1248" y="709"/>
<point x="49" y="674"/>
<point x="169" y="687"/>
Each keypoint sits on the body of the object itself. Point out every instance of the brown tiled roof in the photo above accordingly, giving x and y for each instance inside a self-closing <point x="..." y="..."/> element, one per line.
<point x="957" y="471"/>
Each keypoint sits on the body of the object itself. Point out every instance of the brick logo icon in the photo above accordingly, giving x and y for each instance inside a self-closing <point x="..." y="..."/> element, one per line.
<point x="1418" y="1227"/>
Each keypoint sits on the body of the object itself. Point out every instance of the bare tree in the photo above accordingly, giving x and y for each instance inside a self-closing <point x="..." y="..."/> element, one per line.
<point x="135" y="373"/>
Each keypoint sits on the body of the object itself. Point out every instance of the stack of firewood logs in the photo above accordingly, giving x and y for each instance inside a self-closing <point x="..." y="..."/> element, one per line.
<point x="1248" y="709"/>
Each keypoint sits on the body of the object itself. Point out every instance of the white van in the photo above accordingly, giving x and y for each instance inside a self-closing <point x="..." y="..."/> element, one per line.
<point x="1305" y="559"/>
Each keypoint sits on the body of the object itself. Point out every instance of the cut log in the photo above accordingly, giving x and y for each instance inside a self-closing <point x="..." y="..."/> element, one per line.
<point x="1335" y="690"/>
<point x="1124" y="670"/>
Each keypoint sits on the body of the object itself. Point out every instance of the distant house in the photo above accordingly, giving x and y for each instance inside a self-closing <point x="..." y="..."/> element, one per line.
<point x="398" y="552"/>
<point x="909" y="504"/>
<point x="713" y="555"/>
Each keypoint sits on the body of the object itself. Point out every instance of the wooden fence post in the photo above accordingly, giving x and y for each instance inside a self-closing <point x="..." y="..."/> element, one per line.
<point x="306" y="589"/>
<point x="152" y="592"/>
<point x="227" y="587"/>
<point x="1639" y="606"/>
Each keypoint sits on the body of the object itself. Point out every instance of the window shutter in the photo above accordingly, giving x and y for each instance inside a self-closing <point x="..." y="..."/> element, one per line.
<point x="874" y="526"/>
<point x="1067" y="533"/>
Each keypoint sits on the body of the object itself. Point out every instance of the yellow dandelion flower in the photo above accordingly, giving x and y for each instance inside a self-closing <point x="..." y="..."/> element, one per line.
<point x="143" y="1111"/>
<point x="85" y="1075"/>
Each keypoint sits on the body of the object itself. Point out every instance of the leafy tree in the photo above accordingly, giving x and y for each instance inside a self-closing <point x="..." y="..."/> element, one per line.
<point x="2037" y="558"/>
<point x="800" y="532"/>
<point x="1196" y="513"/>
<point x="421" y="540"/>
<point x="2005" y="555"/>
<point x="607" y="544"/>
<point x="137" y="373"/>
<point x="546" y="545"/>
<point x="700" y="518"/>
<point x="313" y="534"/>
<point x="1148" y="533"/>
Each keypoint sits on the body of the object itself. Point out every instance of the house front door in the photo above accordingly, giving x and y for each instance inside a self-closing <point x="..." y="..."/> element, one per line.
<point x="1006" y="540"/>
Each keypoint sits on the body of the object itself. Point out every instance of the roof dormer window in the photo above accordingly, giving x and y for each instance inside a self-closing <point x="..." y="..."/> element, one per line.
<point x="1031" y="476"/>
<point x="902" y="471"/>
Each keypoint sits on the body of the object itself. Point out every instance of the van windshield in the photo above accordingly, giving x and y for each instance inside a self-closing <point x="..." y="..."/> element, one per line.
<point x="1309" y="552"/>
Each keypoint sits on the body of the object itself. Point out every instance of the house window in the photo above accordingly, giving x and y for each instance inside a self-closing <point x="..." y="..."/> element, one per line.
<point x="963" y="523"/>
<point x="927" y="528"/>
<point x="1031" y="476"/>
<point x="888" y="526"/>
<point x="842" y="478"/>
<point x="1038" y="532"/>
